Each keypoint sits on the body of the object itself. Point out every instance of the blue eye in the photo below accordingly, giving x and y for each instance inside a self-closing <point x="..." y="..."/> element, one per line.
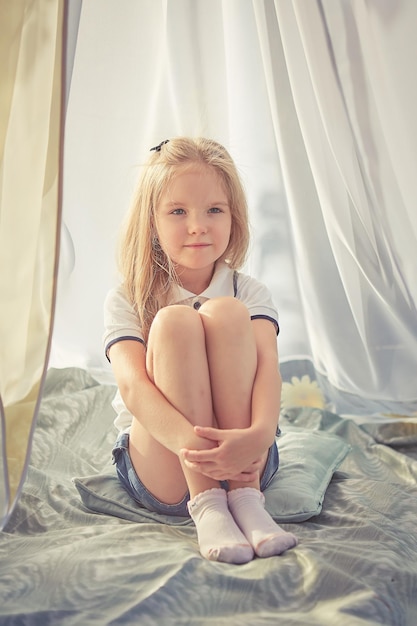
<point x="215" y="209"/>
<point x="178" y="211"/>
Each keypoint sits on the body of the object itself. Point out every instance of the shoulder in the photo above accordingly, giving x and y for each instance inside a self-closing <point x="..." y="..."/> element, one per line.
<point x="120" y="318"/>
<point x="248" y="286"/>
<point x="117" y="306"/>
<point x="256" y="296"/>
<point x="116" y="297"/>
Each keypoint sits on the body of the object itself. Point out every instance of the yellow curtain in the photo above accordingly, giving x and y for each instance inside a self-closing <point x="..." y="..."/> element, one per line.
<point x="32" y="40"/>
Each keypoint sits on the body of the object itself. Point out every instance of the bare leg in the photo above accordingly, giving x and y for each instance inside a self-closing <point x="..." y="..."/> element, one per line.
<point x="231" y="353"/>
<point x="177" y="364"/>
<point x="232" y="358"/>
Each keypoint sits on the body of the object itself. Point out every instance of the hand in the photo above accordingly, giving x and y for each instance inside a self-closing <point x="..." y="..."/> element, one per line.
<point x="237" y="456"/>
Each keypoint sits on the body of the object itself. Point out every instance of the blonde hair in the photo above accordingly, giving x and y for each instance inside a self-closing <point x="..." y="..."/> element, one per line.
<point x="147" y="272"/>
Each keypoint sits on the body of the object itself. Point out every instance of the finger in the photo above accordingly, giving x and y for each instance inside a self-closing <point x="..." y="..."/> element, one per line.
<point x="203" y="468"/>
<point x="253" y="468"/>
<point x="199" y="456"/>
<point x="208" y="471"/>
<point x="191" y="465"/>
<point x="196" y="467"/>
<point x="256" y="464"/>
<point x="245" y="477"/>
<point x="214" y="434"/>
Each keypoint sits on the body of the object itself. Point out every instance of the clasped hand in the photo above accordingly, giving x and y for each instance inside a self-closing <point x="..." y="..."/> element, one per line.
<point x="237" y="455"/>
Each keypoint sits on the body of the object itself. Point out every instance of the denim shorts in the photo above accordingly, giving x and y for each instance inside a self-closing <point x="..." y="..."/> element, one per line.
<point x="137" y="490"/>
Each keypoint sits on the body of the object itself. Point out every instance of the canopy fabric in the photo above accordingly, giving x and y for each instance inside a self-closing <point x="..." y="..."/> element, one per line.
<point x="315" y="101"/>
<point x="31" y="77"/>
<point x="347" y="108"/>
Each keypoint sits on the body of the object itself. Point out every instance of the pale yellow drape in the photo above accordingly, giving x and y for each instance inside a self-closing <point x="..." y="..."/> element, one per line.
<point x="31" y="79"/>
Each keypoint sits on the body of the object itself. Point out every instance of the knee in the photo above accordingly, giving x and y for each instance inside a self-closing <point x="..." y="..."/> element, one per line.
<point x="175" y="322"/>
<point x="229" y="312"/>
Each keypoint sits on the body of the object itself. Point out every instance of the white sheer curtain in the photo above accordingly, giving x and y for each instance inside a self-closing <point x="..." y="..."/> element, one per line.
<point x="142" y="73"/>
<point x="346" y="130"/>
<point x="326" y="85"/>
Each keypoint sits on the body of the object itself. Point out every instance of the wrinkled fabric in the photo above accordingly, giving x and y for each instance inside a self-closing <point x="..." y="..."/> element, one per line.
<point x="356" y="562"/>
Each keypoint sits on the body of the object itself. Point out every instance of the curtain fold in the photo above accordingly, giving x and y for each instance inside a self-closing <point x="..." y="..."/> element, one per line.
<point x="32" y="37"/>
<point x="314" y="94"/>
<point x="150" y="72"/>
<point x="341" y="148"/>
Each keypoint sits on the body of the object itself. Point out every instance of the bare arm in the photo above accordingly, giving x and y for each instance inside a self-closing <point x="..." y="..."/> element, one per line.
<point x="144" y="400"/>
<point x="239" y="448"/>
<point x="266" y="394"/>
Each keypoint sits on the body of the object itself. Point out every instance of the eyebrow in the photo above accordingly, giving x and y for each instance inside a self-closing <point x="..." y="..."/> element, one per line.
<point x="211" y="204"/>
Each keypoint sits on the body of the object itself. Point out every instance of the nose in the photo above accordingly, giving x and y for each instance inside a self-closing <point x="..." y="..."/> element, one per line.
<point x="197" y="225"/>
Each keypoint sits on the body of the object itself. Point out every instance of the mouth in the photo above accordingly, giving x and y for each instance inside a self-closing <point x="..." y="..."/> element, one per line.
<point x="197" y="245"/>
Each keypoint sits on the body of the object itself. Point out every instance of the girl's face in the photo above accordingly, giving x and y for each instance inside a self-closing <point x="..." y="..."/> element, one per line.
<point x="193" y="222"/>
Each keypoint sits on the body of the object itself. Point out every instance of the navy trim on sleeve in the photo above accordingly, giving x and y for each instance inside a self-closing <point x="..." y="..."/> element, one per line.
<point x="266" y="317"/>
<point x="113" y="341"/>
<point x="235" y="275"/>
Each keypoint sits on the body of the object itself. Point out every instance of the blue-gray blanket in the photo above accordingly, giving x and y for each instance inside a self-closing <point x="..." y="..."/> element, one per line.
<point x="63" y="563"/>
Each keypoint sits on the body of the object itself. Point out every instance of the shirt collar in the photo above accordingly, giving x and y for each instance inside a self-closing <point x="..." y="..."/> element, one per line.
<point x="221" y="285"/>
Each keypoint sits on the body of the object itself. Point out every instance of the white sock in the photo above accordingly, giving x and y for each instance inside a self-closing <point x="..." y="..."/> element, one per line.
<point x="247" y="506"/>
<point x="219" y="537"/>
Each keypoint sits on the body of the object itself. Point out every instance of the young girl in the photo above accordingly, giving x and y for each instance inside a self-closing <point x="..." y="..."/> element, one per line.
<point x="193" y="347"/>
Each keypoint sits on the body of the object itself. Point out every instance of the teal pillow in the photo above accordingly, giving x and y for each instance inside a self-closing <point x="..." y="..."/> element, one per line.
<point x="308" y="460"/>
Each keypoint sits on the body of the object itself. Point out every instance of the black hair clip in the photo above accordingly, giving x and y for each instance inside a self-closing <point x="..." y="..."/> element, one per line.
<point x="158" y="148"/>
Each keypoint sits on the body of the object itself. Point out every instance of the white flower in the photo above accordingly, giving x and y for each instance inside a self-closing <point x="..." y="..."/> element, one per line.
<point x="304" y="392"/>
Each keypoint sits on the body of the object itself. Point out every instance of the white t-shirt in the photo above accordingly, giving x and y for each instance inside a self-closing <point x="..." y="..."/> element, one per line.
<point x="121" y="322"/>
